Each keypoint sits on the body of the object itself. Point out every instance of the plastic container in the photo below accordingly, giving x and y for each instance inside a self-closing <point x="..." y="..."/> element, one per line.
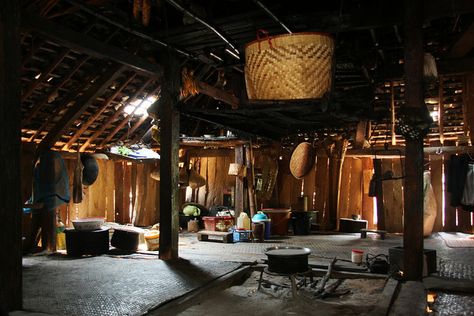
<point x="193" y="226"/>
<point x="218" y="223"/>
<point x="152" y="239"/>
<point x="241" y="235"/>
<point x="258" y="231"/>
<point x="301" y="222"/>
<point x="356" y="256"/>
<point x="280" y="219"/>
<point x="259" y="217"/>
<point x="243" y="221"/>
<point x="267" y="229"/>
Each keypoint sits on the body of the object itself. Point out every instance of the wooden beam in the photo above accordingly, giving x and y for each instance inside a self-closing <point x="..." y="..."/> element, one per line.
<point x="69" y="98"/>
<point x="413" y="193"/>
<point x="218" y="94"/>
<point x="393" y="133"/>
<point x="464" y="44"/>
<point x="36" y="45"/>
<point x="137" y="124"/>
<point x="45" y="73"/>
<point x="97" y="113"/>
<point x="441" y="110"/>
<point x="10" y="194"/>
<point x="169" y="160"/>
<point x="468" y="98"/>
<point x="360" y="136"/>
<point x="37" y="107"/>
<point x="199" y="152"/>
<point x="75" y="111"/>
<point x="379" y="191"/>
<point x="239" y="182"/>
<point x="83" y="43"/>
<point x="125" y="121"/>
<point x="379" y="14"/>
<point x="112" y="119"/>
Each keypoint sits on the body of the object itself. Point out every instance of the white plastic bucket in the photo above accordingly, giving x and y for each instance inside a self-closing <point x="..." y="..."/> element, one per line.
<point x="356" y="256"/>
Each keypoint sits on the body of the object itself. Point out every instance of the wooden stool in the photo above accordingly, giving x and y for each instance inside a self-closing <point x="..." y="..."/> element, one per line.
<point x="363" y="232"/>
<point x="225" y="237"/>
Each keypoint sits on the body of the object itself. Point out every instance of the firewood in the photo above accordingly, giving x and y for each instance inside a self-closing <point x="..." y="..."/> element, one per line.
<point x="321" y="286"/>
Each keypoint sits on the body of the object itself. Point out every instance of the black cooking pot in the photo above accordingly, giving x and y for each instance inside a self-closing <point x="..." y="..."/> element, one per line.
<point x="287" y="260"/>
<point x="125" y="239"/>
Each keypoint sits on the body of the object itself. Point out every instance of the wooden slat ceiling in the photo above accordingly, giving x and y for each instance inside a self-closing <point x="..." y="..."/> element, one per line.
<point x="69" y="47"/>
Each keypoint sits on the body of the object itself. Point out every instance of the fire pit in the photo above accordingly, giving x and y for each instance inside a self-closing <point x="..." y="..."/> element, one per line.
<point x="287" y="260"/>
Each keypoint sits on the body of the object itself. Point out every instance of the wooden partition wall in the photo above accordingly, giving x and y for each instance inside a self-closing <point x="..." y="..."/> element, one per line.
<point x="354" y="197"/>
<point x="124" y="192"/>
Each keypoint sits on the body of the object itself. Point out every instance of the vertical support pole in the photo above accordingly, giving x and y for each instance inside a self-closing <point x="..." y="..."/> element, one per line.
<point x="239" y="182"/>
<point x="10" y="194"/>
<point x="413" y="193"/>
<point x="379" y="190"/>
<point x="250" y="180"/>
<point x="392" y="112"/>
<point x="441" y="110"/>
<point x="468" y="104"/>
<point x="169" y="160"/>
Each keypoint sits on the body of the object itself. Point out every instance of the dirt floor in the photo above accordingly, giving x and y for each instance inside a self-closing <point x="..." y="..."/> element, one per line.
<point x="353" y="297"/>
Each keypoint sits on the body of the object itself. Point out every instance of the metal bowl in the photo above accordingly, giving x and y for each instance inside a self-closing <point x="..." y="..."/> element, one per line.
<point x="287" y="259"/>
<point x="88" y="223"/>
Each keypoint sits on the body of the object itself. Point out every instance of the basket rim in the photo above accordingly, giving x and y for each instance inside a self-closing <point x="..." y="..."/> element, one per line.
<point x="291" y="34"/>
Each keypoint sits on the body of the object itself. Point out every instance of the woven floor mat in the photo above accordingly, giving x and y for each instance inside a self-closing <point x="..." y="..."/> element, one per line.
<point x="458" y="240"/>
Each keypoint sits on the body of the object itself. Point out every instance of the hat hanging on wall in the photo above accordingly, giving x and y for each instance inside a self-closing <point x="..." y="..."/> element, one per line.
<point x="90" y="171"/>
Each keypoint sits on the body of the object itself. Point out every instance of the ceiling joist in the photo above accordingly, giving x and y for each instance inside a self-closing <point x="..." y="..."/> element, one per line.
<point x="83" y="43"/>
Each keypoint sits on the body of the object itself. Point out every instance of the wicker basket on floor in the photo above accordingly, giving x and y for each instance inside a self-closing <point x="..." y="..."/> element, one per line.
<point x="290" y="66"/>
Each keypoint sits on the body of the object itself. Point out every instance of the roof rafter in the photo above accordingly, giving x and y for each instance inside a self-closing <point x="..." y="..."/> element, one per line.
<point x="86" y="44"/>
<point x="113" y="117"/>
<point x="75" y="111"/>
<point x="94" y="117"/>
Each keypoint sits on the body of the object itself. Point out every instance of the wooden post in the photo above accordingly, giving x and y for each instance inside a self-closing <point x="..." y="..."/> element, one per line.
<point x="169" y="169"/>
<point x="250" y="180"/>
<point x="379" y="190"/>
<point x="441" y="111"/>
<point x="392" y="112"/>
<point x="336" y="152"/>
<point x="413" y="193"/>
<point x="239" y="182"/>
<point x="10" y="194"/>
<point x="468" y="99"/>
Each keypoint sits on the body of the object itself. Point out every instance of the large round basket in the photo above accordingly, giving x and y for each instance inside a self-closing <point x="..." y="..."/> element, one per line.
<point x="302" y="160"/>
<point x="290" y="66"/>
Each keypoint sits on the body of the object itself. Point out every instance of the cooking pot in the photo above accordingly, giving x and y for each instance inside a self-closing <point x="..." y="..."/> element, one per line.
<point x="125" y="239"/>
<point x="287" y="260"/>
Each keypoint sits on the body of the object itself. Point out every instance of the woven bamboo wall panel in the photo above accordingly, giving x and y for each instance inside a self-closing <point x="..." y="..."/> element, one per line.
<point x="294" y="66"/>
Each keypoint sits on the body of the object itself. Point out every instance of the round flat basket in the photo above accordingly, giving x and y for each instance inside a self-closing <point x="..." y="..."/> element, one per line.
<point x="302" y="160"/>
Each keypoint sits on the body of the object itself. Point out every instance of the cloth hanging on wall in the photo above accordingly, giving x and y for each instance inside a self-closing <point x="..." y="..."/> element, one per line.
<point x="457" y="175"/>
<point x="468" y="192"/>
<point x="51" y="181"/>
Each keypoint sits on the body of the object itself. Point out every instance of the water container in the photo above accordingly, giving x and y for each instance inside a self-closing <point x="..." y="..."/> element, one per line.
<point x="243" y="221"/>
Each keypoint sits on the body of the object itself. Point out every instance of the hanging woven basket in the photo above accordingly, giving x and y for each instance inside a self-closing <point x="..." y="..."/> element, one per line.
<point x="302" y="160"/>
<point x="290" y="66"/>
